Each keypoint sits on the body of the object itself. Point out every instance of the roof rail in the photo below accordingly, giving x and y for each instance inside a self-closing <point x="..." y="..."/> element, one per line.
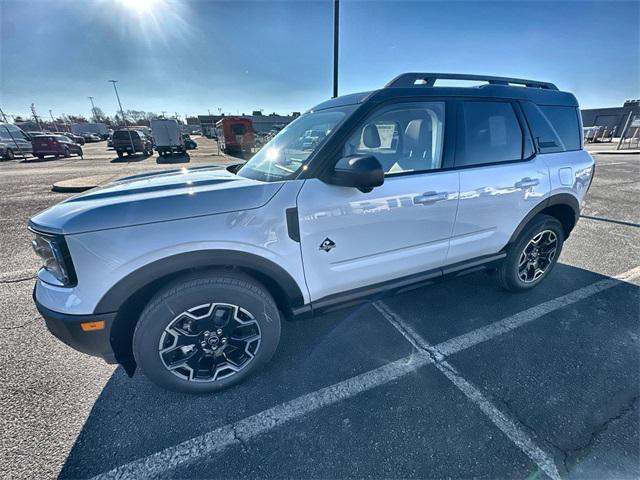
<point x="429" y="79"/>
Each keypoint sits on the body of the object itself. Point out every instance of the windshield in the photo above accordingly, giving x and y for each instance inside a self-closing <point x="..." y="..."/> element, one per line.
<point x="285" y="155"/>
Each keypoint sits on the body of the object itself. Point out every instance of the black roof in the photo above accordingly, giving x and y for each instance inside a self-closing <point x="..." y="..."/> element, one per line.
<point x="422" y="85"/>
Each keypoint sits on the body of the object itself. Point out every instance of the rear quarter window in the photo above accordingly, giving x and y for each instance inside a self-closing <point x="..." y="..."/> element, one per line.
<point x="565" y="122"/>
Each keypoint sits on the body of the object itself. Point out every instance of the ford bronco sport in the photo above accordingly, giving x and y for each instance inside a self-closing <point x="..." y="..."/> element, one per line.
<point x="187" y="274"/>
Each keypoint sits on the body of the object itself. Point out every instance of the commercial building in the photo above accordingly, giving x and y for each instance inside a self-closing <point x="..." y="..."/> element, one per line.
<point x="611" y="118"/>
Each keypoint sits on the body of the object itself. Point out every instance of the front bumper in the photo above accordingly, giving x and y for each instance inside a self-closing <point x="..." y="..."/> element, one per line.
<point x="67" y="329"/>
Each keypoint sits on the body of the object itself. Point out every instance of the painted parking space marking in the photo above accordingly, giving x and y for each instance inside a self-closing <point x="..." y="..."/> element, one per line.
<point x="235" y="433"/>
<point x="482" y="334"/>
<point x="506" y="425"/>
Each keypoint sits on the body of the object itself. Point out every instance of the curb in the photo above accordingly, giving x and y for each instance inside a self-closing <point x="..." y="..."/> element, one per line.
<point x="81" y="184"/>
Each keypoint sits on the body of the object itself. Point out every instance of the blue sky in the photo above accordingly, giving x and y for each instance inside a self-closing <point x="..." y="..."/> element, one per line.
<point x="189" y="56"/>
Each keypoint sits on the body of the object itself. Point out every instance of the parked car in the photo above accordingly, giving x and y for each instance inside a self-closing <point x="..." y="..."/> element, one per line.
<point x="99" y="129"/>
<point x="91" y="137"/>
<point x="56" y="145"/>
<point x="132" y="141"/>
<point x="14" y="142"/>
<point x="75" y="138"/>
<point x="188" y="274"/>
<point x="189" y="143"/>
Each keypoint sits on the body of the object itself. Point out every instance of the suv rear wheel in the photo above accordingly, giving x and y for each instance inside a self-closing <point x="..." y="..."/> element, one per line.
<point x="204" y="333"/>
<point x="533" y="255"/>
<point x="8" y="154"/>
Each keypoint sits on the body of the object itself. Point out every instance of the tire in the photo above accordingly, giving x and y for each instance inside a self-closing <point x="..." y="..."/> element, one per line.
<point x="193" y="303"/>
<point x="522" y="270"/>
<point x="120" y="153"/>
<point x="9" y="155"/>
<point x="67" y="153"/>
<point x="41" y="157"/>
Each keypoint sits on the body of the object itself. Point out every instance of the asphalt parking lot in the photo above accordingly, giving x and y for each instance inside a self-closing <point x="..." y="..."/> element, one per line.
<point x="454" y="380"/>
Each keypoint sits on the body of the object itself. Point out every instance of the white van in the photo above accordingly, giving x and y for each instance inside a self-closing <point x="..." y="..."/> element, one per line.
<point x="167" y="137"/>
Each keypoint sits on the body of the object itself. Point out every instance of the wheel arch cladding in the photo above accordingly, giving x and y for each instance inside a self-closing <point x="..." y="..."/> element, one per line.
<point x="563" y="206"/>
<point x="132" y="293"/>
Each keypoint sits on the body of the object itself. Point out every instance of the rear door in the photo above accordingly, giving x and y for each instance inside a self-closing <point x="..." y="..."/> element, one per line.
<point x="352" y="239"/>
<point x="501" y="179"/>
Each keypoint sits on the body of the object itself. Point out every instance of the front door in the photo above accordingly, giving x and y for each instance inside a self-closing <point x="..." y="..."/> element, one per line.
<point x="351" y="239"/>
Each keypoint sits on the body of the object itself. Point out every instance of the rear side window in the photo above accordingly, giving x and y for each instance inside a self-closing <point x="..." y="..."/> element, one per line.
<point x="564" y="121"/>
<point x="491" y="133"/>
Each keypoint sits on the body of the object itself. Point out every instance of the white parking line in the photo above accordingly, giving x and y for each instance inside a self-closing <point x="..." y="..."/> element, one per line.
<point x="509" y="427"/>
<point x="250" y="427"/>
<point x="453" y="345"/>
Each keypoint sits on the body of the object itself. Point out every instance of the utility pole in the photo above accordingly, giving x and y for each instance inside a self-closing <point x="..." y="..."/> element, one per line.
<point x="55" y="125"/>
<point x="336" y="31"/>
<point x="93" y="109"/>
<point x="35" y="116"/>
<point x="133" y="148"/>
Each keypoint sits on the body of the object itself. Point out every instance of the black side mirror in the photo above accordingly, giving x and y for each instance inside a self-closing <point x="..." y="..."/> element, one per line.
<point x="363" y="172"/>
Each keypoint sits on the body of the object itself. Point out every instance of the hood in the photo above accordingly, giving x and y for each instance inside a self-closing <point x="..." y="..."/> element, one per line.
<point x="155" y="197"/>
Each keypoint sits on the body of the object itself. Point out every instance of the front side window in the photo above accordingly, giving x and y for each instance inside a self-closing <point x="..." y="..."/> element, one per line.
<point x="404" y="137"/>
<point x="287" y="153"/>
<point x="491" y="133"/>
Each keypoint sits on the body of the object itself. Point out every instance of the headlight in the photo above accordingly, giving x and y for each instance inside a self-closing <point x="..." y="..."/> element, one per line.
<point x="56" y="260"/>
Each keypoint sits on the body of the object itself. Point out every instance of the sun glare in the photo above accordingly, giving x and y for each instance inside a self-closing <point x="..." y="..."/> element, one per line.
<point x="139" y="6"/>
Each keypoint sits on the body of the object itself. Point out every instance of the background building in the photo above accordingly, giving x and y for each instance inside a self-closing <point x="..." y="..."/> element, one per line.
<point x="261" y="123"/>
<point x="614" y="117"/>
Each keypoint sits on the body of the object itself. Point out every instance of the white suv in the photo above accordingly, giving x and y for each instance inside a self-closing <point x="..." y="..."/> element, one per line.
<point x="188" y="273"/>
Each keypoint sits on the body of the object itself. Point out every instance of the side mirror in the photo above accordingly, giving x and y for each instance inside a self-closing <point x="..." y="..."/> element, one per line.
<point x="363" y="172"/>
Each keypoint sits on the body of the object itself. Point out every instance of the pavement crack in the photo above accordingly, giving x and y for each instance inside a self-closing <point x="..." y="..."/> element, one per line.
<point x="17" y="280"/>
<point x="558" y="451"/>
<point x="16" y="327"/>
<point x="238" y="437"/>
<point x="578" y="452"/>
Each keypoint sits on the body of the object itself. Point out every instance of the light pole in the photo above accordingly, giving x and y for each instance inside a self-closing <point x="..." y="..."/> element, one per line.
<point x="93" y="109"/>
<point x="133" y="148"/>
<point x="336" y="30"/>
<point x="35" y="116"/>
<point x="55" y="125"/>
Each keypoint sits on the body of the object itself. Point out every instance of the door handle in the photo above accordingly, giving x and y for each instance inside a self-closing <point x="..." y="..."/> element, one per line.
<point x="429" y="197"/>
<point x="527" y="182"/>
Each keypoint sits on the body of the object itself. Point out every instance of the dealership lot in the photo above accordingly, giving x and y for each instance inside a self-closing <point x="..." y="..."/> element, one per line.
<point x="456" y="380"/>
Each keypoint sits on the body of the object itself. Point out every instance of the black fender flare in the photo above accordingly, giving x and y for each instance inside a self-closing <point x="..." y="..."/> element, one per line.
<point x="558" y="199"/>
<point x="119" y="293"/>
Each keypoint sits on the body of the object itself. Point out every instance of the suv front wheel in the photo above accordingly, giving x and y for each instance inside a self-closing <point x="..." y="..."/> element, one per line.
<point x="533" y="255"/>
<point x="204" y="333"/>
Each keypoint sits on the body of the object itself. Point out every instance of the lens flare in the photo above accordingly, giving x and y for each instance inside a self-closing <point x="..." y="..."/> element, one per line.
<point x="139" y="6"/>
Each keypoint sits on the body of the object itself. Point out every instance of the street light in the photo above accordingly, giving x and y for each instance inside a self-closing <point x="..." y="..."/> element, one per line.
<point x="93" y="109"/>
<point x="55" y="125"/>
<point x="336" y="30"/>
<point x="133" y="148"/>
